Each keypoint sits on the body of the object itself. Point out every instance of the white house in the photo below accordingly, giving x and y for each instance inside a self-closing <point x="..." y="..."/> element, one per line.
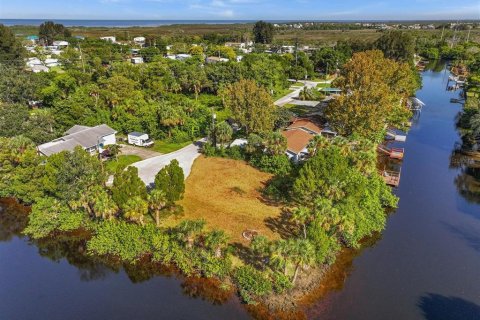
<point x="91" y="139"/>
<point x="109" y="39"/>
<point x="183" y="56"/>
<point x="60" y="44"/>
<point x="215" y="60"/>
<point x="39" y="68"/>
<point x="139" y="41"/>
<point x="136" y="60"/>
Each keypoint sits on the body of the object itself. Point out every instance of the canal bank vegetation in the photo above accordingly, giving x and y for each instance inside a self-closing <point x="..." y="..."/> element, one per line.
<point x="331" y="200"/>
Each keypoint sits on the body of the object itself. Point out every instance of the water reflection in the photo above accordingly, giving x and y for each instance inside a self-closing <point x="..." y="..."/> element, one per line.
<point x="439" y="307"/>
<point x="71" y="247"/>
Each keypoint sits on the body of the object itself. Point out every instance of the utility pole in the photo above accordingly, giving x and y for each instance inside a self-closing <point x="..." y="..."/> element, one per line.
<point x="81" y="57"/>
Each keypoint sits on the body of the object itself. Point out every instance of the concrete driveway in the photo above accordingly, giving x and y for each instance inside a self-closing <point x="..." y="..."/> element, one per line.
<point x="148" y="169"/>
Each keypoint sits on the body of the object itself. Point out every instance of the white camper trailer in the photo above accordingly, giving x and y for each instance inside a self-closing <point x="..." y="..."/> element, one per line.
<point x="139" y="139"/>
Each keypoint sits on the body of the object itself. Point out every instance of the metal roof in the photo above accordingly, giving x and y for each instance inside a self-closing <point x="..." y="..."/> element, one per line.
<point x="136" y="134"/>
<point x="86" y="137"/>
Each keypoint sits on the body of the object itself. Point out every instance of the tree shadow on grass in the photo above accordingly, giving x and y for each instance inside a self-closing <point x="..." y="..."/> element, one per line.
<point x="439" y="307"/>
<point x="247" y="255"/>
<point x="282" y="225"/>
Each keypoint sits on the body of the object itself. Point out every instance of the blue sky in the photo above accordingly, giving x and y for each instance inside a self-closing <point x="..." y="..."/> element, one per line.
<point x="240" y="9"/>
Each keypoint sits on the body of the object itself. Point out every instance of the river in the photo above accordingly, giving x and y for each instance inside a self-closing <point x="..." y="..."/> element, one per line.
<point x="426" y="265"/>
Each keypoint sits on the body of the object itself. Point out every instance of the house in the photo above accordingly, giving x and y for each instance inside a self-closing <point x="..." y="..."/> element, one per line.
<point x="136" y="60"/>
<point x="109" y="39"/>
<point x="298" y="135"/>
<point x="91" y="139"/>
<point x="39" y="68"/>
<point x="139" y="41"/>
<point x="183" y="56"/>
<point x="215" y="60"/>
<point x="60" y="44"/>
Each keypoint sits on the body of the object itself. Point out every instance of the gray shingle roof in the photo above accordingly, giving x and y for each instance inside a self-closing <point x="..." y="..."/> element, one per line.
<point x="86" y="137"/>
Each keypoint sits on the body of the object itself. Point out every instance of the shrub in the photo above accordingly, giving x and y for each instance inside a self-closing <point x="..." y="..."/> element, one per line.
<point x="276" y="164"/>
<point x="49" y="215"/>
<point x="126" y="241"/>
<point x="251" y="282"/>
<point x="281" y="282"/>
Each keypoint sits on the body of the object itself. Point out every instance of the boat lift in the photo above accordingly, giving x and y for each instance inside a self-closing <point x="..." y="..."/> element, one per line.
<point x="393" y="153"/>
<point x="395" y="136"/>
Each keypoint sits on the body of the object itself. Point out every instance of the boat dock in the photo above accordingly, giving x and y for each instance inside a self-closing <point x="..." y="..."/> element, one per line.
<point x="391" y="178"/>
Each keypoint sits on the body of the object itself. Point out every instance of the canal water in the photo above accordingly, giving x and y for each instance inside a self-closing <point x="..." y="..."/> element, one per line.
<point x="426" y="265"/>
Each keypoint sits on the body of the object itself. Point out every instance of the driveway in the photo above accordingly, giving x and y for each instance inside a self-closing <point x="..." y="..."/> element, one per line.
<point x="143" y="153"/>
<point x="148" y="169"/>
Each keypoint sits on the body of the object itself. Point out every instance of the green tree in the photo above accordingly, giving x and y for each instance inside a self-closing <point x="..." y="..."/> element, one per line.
<point x="171" y="180"/>
<point x="103" y="205"/>
<point x="251" y="106"/>
<point x="397" y="45"/>
<point x="157" y="200"/>
<point x="302" y="216"/>
<point x="49" y="31"/>
<point x="263" y="32"/>
<point x="127" y="185"/>
<point x="187" y="231"/>
<point x="49" y="215"/>
<point x="70" y="174"/>
<point x="275" y="143"/>
<point x="222" y="134"/>
<point x="135" y="209"/>
<point x="216" y="241"/>
<point x="12" y="116"/>
<point x="11" y="50"/>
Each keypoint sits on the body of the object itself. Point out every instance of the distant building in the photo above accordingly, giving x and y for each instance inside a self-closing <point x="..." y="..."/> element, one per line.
<point x="60" y="44"/>
<point x="109" y="39"/>
<point x="215" y="60"/>
<point x="91" y="139"/>
<point x="139" y="41"/>
<point x="136" y="60"/>
<point x="183" y="56"/>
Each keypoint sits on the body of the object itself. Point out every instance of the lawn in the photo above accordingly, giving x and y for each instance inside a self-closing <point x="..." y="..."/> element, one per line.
<point x="121" y="163"/>
<point x="167" y="147"/>
<point x="226" y="193"/>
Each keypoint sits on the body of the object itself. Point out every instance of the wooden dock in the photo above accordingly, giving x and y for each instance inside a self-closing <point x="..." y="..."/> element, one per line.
<point x="391" y="178"/>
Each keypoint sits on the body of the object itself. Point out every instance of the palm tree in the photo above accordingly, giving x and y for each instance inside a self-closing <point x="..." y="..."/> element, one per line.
<point x="135" y="210"/>
<point x="104" y="206"/>
<point x="302" y="254"/>
<point x="475" y="125"/>
<point x="275" y="143"/>
<point x="216" y="241"/>
<point x="280" y="251"/>
<point x="157" y="200"/>
<point x="318" y="142"/>
<point x="302" y="216"/>
<point x="187" y="231"/>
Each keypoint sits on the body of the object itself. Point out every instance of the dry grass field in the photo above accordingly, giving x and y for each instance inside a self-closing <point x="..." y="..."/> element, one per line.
<point x="226" y="193"/>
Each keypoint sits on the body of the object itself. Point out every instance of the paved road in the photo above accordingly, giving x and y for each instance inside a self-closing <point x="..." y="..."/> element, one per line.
<point x="289" y="97"/>
<point x="147" y="169"/>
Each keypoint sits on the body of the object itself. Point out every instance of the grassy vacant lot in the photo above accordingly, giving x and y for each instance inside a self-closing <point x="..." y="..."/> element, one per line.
<point x="167" y="147"/>
<point x="121" y="163"/>
<point x="226" y="193"/>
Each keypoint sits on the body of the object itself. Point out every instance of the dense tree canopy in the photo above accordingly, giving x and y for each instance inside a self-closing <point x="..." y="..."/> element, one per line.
<point x="263" y="32"/>
<point x="250" y="105"/>
<point x="375" y="92"/>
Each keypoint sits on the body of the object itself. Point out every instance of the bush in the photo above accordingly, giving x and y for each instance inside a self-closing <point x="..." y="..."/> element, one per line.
<point x="277" y="164"/>
<point x="49" y="215"/>
<point x="251" y="282"/>
<point x="281" y="282"/>
<point x="126" y="241"/>
<point x="279" y="188"/>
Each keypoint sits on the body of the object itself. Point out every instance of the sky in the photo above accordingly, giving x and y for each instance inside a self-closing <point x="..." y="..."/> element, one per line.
<point x="240" y="9"/>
